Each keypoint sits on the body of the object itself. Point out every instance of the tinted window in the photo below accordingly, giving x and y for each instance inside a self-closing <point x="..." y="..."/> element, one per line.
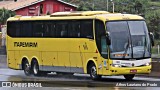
<point x="62" y="29"/>
<point x="38" y="29"/>
<point x="100" y="38"/>
<point x="13" y="29"/>
<point x="49" y="30"/>
<point x="26" y="29"/>
<point x="74" y="29"/>
<point x="87" y="29"/>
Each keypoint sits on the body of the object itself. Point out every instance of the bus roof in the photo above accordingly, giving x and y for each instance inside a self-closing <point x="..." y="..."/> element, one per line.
<point x="102" y="15"/>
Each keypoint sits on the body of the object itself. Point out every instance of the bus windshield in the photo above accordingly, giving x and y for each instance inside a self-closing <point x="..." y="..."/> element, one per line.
<point x="129" y="39"/>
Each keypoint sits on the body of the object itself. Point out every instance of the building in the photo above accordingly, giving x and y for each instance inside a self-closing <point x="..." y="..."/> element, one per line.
<point x="36" y="7"/>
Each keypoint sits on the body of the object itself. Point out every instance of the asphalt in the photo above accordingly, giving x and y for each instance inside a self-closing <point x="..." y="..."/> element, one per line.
<point x="155" y="72"/>
<point x="3" y="61"/>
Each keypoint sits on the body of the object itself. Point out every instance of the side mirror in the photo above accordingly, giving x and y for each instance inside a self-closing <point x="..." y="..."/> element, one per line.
<point x="108" y="40"/>
<point x="151" y="38"/>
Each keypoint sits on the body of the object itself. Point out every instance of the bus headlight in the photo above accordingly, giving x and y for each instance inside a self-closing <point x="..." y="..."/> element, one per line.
<point x="116" y="65"/>
<point x="147" y="64"/>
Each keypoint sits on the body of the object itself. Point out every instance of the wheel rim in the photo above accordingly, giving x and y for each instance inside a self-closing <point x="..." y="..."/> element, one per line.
<point x="27" y="68"/>
<point x="93" y="72"/>
<point x="35" y="68"/>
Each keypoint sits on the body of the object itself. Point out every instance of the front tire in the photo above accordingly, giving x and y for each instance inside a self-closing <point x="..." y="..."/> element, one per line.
<point x="93" y="72"/>
<point x="129" y="77"/>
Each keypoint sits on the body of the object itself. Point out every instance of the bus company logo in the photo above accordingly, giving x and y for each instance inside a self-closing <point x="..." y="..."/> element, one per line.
<point x="25" y="44"/>
<point x="132" y="64"/>
<point x="6" y="84"/>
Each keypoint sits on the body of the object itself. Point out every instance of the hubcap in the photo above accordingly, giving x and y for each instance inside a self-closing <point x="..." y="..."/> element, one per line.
<point x="27" y="68"/>
<point x="93" y="71"/>
<point x="35" y="69"/>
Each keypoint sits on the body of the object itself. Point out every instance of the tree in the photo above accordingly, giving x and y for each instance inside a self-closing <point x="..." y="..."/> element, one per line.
<point x="153" y="21"/>
<point x="5" y="14"/>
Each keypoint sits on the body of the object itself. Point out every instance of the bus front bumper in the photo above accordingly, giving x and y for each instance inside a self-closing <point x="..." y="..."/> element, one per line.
<point x="130" y="70"/>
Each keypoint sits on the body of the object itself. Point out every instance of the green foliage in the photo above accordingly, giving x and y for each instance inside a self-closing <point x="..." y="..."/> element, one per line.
<point x="153" y="21"/>
<point x="123" y="6"/>
<point x="147" y="8"/>
<point x="5" y="14"/>
<point x="154" y="4"/>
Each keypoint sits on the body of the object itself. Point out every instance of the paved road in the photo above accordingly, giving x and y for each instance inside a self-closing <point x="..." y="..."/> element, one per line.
<point x="3" y="61"/>
<point x="72" y="82"/>
<point x="76" y="81"/>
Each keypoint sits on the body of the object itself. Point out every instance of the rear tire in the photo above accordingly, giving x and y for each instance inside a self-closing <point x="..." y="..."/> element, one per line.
<point x="129" y="77"/>
<point x="36" y="71"/>
<point x="26" y="68"/>
<point x="93" y="72"/>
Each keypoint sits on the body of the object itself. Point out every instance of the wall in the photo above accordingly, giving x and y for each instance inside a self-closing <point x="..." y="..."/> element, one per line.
<point x="48" y="6"/>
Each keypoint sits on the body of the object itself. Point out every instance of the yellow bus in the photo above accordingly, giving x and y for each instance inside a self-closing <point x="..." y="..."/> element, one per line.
<point x="91" y="42"/>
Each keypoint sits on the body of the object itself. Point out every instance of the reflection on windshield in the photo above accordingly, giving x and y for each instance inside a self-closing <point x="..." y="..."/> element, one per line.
<point x="129" y="39"/>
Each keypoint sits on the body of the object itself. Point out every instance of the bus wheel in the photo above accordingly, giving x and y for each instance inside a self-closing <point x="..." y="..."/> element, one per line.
<point x="93" y="72"/>
<point x="36" y="71"/>
<point x="26" y="68"/>
<point x="129" y="77"/>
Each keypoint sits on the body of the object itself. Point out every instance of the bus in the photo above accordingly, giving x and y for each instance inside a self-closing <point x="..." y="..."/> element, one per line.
<point x="98" y="43"/>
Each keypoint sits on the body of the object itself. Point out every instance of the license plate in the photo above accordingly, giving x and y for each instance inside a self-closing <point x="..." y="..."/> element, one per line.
<point x="133" y="71"/>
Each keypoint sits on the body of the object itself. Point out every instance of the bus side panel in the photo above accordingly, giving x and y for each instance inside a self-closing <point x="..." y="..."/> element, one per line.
<point x="98" y="61"/>
<point x="17" y="59"/>
<point x="49" y="59"/>
<point x="76" y="62"/>
<point x="32" y="54"/>
<point x="100" y="64"/>
<point x="106" y="66"/>
<point x="89" y="50"/>
<point x="11" y="59"/>
<point x="64" y="62"/>
<point x="76" y="56"/>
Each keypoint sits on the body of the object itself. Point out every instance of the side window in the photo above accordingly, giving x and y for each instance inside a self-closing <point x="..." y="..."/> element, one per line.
<point x="104" y="47"/>
<point x="87" y="29"/>
<point x="26" y="29"/>
<point x="74" y="29"/>
<point x="100" y="38"/>
<point x="62" y="29"/>
<point x="13" y="29"/>
<point x="49" y="30"/>
<point x="10" y="30"/>
<point x="38" y="29"/>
